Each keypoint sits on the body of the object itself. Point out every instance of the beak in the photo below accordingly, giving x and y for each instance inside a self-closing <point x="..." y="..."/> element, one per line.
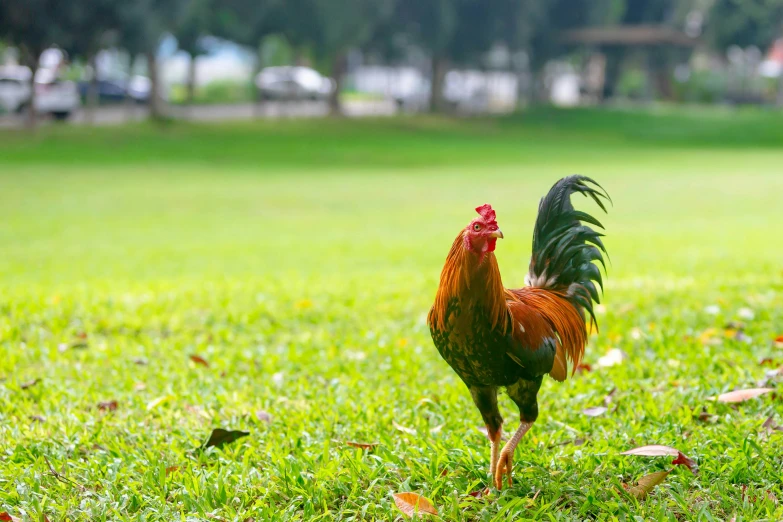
<point x="497" y="234"/>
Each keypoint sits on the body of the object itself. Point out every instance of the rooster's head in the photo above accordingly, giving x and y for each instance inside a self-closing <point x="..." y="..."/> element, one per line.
<point x="482" y="233"/>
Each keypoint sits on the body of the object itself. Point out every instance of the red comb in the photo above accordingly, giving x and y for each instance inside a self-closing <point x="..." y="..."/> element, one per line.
<point x="486" y="212"/>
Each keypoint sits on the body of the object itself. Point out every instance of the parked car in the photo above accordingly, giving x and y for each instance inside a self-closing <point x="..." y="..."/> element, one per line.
<point x="114" y="91"/>
<point x="293" y="83"/>
<point x="52" y="95"/>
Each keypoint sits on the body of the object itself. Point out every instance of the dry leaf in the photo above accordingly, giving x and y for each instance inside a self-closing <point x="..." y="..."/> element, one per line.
<point x="362" y="445"/>
<point x="199" y="360"/>
<point x="263" y="416"/>
<point x="219" y="437"/>
<point x="197" y="410"/>
<point x="154" y="403"/>
<point x="140" y="362"/>
<point x="107" y="406"/>
<point x="412" y="504"/>
<point x="409" y="431"/>
<point x="595" y="411"/>
<point x="613" y="357"/>
<point x="29" y="384"/>
<point x="705" y="416"/>
<point x="41" y="419"/>
<point x="608" y="397"/>
<point x="171" y="469"/>
<point x="652" y="451"/>
<point x="682" y="460"/>
<point x="742" y="395"/>
<point x="480" y="493"/>
<point x="647" y="483"/>
<point x="769" y="426"/>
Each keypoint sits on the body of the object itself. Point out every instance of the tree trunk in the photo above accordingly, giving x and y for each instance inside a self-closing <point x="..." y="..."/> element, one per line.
<point x="614" y="63"/>
<point x="92" y="91"/>
<point x="660" y="70"/>
<point x="156" y="111"/>
<point x="129" y="101"/>
<point x="338" y="69"/>
<point x="31" y="57"/>
<point x="439" y="69"/>
<point x="258" y="106"/>
<point x="191" y="87"/>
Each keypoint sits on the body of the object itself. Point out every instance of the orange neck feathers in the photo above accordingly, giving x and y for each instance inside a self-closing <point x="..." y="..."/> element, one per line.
<point x="473" y="278"/>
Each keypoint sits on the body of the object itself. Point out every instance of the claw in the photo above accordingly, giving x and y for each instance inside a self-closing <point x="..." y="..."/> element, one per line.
<point x="503" y="468"/>
<point x="507" y="455"/>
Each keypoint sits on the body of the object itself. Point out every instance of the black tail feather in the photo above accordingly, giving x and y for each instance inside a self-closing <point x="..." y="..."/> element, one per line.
<point x="563" y="248"/>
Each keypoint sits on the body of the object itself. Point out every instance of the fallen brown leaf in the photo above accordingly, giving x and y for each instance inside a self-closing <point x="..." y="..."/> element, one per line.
<point x="140" y="362"/>
<point x="705" y="416"/>
<point x="219" y="437"/>
<point x="29" y="384"/>
<point x="682" y="460"/>
<point x="107" y="406"/>
<point x="768" y="361"/>
<point x="613" y="357"/>
<point x="595" y="411"/>
<point x="171" y="469"/>
<point x="38" y="418"/>
<point x="608" y="397"/>
<point x="409" y="431"/>
<point x="199" y="360"/>
<point x="412" y="504"/>
<point x="362" y="445"/>
<point x="770" y="426"/>
<point x="480" y="493"/>
<point x="646" y="484"/>
<point x="652" y="451"/>
<point x="742" y="395"/>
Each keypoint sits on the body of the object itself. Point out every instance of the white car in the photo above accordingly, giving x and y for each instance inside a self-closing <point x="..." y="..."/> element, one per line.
<point x="52" y="95"/>
<point x="293" y="83"/>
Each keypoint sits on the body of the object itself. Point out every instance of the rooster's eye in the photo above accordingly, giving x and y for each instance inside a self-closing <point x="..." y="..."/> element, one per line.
<point x="476" y="227"/>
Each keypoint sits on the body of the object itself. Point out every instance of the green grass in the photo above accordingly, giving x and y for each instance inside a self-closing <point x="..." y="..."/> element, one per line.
<point x="300" y="259"/>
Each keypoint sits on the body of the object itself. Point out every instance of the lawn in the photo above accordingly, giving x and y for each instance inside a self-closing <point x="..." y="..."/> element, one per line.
<point x="298" y="259"/>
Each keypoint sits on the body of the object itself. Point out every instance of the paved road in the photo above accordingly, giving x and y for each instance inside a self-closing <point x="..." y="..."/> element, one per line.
<point x="118" y="114"/>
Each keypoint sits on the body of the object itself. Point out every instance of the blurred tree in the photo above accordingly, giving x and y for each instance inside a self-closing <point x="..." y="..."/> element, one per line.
<point x="194" y="20"/>
<point x="33" y="26"/>
<point x="432" y="24"/>
<point x="93" y="25"/>
<point x="330" y="29"/>
<point x="142" y="24"/>
<point x="745" y="23"/>
<point x="248" y="23"/>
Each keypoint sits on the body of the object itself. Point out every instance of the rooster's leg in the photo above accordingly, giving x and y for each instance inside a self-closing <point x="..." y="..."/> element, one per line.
<point x="486" y="400"/>
<point x="495" y="451"/>
<point x="523" y="393"/>
<point x="507" y="455"/>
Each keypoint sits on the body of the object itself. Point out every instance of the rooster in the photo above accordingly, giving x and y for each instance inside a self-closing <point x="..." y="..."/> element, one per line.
<point x="496" y="337"/>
